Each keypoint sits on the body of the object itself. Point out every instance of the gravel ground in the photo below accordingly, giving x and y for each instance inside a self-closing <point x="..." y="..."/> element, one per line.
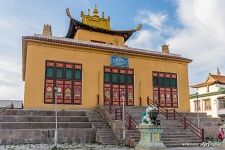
<point x="88" y="147"/>
<point x="64" y="147"/>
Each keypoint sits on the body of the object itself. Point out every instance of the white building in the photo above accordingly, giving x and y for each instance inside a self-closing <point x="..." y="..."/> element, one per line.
<point x="209" y="96"/>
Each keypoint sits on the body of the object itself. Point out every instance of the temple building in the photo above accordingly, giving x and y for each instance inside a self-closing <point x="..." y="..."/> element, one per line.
<point x="93" y="66"/>
<point x="210" y="96"/>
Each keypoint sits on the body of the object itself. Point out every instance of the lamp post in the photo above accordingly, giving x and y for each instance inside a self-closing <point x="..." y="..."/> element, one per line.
<point x="198" y="104"/>
<point x="124" y="126"/>
<point x="56" y="119"/>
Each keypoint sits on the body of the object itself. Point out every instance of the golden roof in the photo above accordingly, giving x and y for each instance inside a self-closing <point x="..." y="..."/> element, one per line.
<point x="212" y="79"/>
<point x="95" y="20"/>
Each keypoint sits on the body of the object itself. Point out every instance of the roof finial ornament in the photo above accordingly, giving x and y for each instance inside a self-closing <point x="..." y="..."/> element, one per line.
<point x="68" y="13"/>
<point x="82" y="13"/>
<point x="138" y="27"/>
<point x="103" y="14"/>
<point x="88" y="12"/>
<point x="218" y="71"/>
<point x="95" y="11"/>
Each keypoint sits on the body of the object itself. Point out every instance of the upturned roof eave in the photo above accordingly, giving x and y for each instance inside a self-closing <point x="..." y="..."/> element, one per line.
<point x="75" y="25"/>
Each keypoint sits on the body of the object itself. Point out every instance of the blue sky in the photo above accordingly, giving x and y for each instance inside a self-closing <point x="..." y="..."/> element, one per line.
<point x="193" y="28"/>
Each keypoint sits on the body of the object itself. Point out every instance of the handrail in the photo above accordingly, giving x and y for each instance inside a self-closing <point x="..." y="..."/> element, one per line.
<point x="3" y="109"/>
<point x="128" y="118"/>
<point x="187" y="123"/>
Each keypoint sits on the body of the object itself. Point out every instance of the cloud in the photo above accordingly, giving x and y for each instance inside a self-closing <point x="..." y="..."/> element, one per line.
<point x="153" y="19"/>
<point x="151" y="37"/>
<point x="146" y="39"/>
<point x="11" y="86"/>
<point x="202" y="36"/>
<point x="199" y="36"/>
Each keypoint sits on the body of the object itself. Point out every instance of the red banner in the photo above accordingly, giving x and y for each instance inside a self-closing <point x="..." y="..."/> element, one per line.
<point x="107" y="94"/>
<point x="174" y="97"/>
<point x="162" y="97"/>
<point x="59" y="84"/>
<point x="156" y="96"/>
<point x="77" y="92"/>
<point x="123" y="95"/>
<point x="49" y="91"/>
<point x="168" y="97"/>
<point x="130" y="93"/>
<point x="68" y="92"/>
<point x="115" y="98"/>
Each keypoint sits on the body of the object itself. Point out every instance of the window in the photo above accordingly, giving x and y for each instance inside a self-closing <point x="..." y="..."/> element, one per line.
<point x="67" y="77"/>
<point x="161" y="81"/>
<point x="69" y="73"/>
<point x="222" y="104"/>
<point x="122" y="78"/>
<point x="173" y="82"/>
<point x="130" y="79"/>
<point x="59" y="73"/>
<point x="207" y="104"/>
<point x="114" y="78"/>
<point x="77" y="74"/>
<point x="155" y="81"/>
<point x="107" y="77"/>
<point x="197" y="105"/>
<point x="167" y="82"/>
<point x="50" y="72"/>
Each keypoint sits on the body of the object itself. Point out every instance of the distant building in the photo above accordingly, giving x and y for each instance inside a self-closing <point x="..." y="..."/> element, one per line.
<point x="16" y="103"/>
<point x="92" y="66"/>
<point x="210" y="96"/>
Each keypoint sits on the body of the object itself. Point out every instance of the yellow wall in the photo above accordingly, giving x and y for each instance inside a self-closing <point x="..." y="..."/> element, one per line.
<point x="97" y="36"/>
<point x="92" y="62"/>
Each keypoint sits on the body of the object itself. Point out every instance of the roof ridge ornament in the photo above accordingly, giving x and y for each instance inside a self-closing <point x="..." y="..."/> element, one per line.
<point x="138" y="27"/>
<point x="95" y="11"/>
<point x="68" y="13"/>
<point x="218" y="71"/>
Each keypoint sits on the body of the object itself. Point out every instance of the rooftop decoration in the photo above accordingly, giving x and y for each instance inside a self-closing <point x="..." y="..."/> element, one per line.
<point x="95" y="20"/>
<point x="97" y="24"/>
<point x="212" y="79"/>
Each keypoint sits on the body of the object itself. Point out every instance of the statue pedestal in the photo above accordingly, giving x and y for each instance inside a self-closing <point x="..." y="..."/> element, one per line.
<point x="150" y="137"/>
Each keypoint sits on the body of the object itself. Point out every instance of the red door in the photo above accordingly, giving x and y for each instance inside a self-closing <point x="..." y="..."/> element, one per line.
<point x="118" y="86"/>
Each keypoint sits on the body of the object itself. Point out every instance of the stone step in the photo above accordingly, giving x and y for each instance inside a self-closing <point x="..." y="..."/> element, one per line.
<point x="100" y="119"/>
<point x="37" y="136"/>
<point x="43" y="118"/>
<point x="20" y="112"/>
<point x="192" y="114"/>
<point x="43" y="125"/>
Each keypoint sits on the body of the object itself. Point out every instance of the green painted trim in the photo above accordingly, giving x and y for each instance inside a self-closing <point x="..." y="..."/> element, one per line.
<point x="192" y="96"/>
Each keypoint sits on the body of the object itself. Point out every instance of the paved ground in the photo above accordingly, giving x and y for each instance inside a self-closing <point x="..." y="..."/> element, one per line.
<point x="88" y="147"/>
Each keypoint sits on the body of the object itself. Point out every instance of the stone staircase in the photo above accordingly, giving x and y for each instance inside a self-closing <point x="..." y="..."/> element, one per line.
<point x="104" y="134"/>
<point x="37" y="126"/>
<point x="174" y="134"/>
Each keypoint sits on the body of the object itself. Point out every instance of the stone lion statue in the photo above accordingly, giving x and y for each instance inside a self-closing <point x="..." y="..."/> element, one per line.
<point x="150" y="115"/>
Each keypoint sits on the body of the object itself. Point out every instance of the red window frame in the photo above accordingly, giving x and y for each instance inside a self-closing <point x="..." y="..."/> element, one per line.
<point x="114" y="92"/>
<point x="69" y="90"/>
<point x="165" y="96"/>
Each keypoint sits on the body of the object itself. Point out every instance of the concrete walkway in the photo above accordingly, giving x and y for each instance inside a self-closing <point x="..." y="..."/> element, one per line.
<point x="87" y="147"/>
